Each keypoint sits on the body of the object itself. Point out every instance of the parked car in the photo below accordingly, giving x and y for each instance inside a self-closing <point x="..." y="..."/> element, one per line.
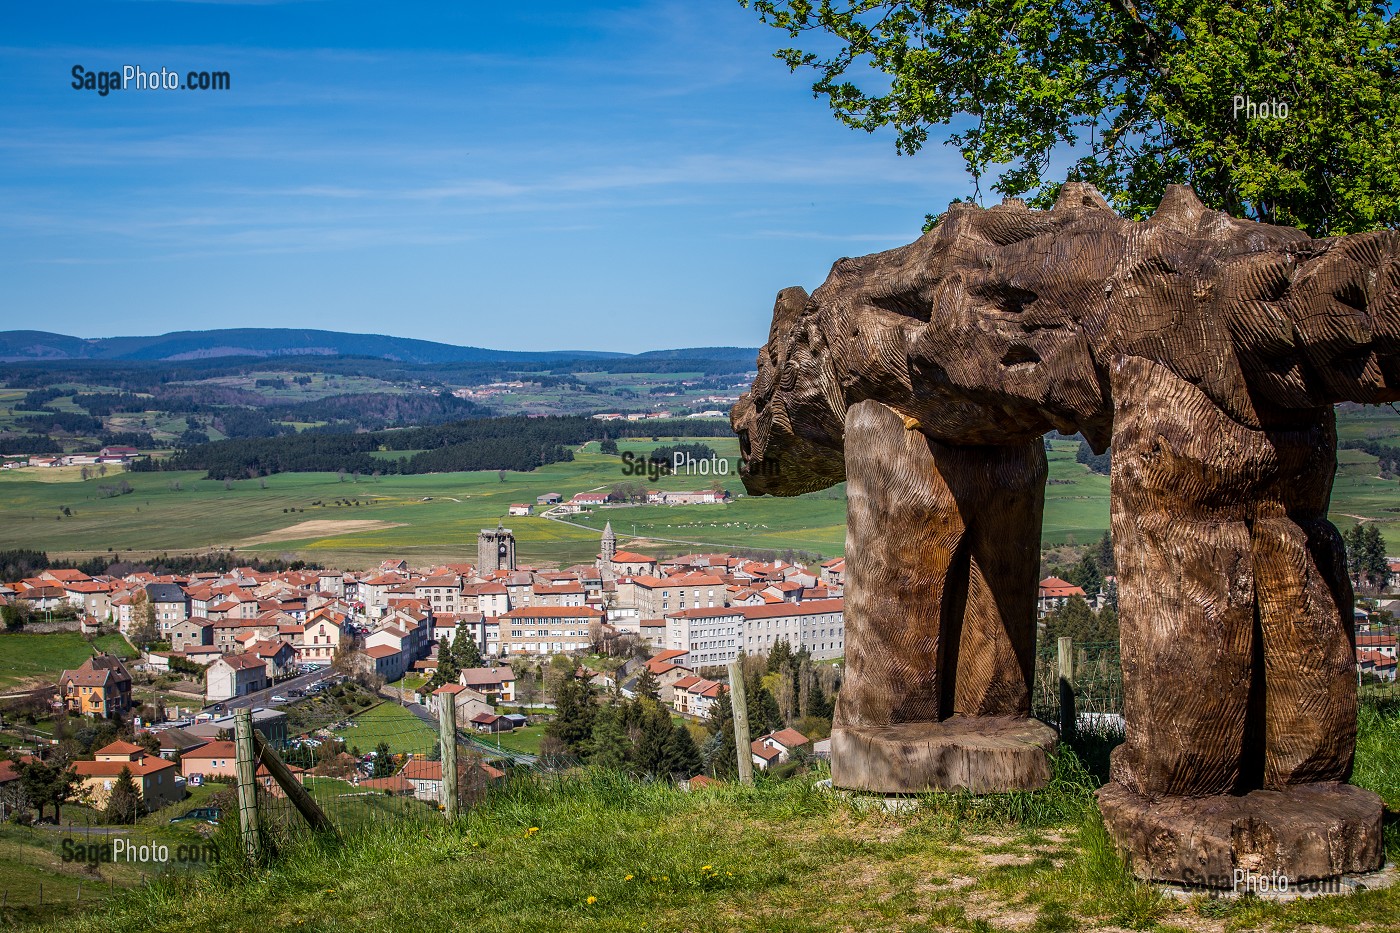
<point x="278" y="698"/>
<point x="206" y="814"/>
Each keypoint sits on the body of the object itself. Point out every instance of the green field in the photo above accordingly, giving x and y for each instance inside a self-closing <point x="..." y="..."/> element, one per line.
<point x="389" y="722"/>
<point x="31" y="657"/>
<point x="521" y="740"/>
<point x="597" y="851"/>
<point x="435" y="517"/>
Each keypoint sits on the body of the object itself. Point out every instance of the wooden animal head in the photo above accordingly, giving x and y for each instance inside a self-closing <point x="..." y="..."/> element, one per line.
<point x="1002" y="324"/>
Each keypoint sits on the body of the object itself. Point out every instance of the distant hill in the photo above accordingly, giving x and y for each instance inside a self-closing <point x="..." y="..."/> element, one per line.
<point x="33" y="345"/>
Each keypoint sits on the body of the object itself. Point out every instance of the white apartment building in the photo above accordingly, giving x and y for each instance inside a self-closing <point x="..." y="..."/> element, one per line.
<point x="654" y="597"/>
<point x="819" y="625"/>
<point x="710" y="636"/>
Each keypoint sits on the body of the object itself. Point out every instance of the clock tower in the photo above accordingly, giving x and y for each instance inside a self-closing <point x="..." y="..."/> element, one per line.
<point x="495" y="550"/>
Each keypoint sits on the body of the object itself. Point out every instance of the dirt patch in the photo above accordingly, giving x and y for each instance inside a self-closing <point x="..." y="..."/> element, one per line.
<point x="321" y="528"/>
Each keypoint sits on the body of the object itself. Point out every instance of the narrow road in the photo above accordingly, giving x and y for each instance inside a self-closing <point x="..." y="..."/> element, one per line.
<point x="264" y="697"/>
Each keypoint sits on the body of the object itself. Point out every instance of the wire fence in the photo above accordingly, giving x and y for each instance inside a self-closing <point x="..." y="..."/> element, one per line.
<point x="387" y="765"/>
<point x="1097" y="681"/>
<point x="366" y="761"/>
<point x="83" y="859"/>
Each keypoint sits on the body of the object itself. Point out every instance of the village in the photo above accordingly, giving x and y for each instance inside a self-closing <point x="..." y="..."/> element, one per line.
<point x="479" y="635"/>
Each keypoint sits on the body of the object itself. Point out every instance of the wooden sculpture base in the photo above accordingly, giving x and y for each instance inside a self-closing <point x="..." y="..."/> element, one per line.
<point x="1304" y="833"/>
<point x="980" y="754"/>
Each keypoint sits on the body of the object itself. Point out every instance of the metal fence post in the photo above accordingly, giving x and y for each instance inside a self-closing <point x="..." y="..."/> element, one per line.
<point x="738" y="703"/>
<point x="247" y="783"/>
<point x="447" y="738"/>
<point x="1064" y="650"/>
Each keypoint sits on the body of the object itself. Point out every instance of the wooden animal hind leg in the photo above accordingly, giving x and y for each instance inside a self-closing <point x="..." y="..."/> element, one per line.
<point x="1235" y="633"/>
<point x="942" y="554"/>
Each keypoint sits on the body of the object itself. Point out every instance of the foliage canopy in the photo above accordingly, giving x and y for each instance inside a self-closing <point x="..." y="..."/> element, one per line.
<point x="1137" y="95"/>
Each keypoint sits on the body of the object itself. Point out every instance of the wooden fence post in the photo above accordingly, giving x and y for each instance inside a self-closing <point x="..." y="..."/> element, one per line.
<point x="447" y="741"/>
<point x="247" y="783"/>
<point x="738" y="702"/>
<point x="1064" y="650"/>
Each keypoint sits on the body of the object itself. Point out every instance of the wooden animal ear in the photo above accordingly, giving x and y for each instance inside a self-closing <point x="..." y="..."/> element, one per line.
<point x="787" y="308"/>
<point x="1180" y="208"/>
<point x="1080" y="194"/>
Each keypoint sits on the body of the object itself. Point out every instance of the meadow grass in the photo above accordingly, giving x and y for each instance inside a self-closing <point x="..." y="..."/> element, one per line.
<point x="596" y="850"/>
<point x="434" y="518"/>
<point x="521" y="740"/>
<point x="29" y="657"/>
<point x="389" y="722"/>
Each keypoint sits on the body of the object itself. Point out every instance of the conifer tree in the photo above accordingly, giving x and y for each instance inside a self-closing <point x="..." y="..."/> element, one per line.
<point x="719" y="754"/>
<point x="648" y="686"/>
<point x="447" y="670"/>
<point x="383" y="761"/>
<point x="574" y="713"/>
<point x="611" y="748"/>
<point x="124" y="802"/>
<point x="682" y="757"/>
<point x="780" y="656"/>
<point x="465" y="651"/>
<point x="651" y="745"/>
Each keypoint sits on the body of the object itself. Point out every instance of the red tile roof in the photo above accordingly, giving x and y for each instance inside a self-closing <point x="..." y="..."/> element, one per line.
<point x="789" y="738"/>
<point x="120" y="748"/>
<point x="147" y="764"/>
<point x="809" y="608"/>
<point x="223" y="749"/>
<point x="554" y="612"/>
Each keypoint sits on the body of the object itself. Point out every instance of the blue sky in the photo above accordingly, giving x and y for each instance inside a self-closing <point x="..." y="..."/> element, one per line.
<point x="518" y="176"/>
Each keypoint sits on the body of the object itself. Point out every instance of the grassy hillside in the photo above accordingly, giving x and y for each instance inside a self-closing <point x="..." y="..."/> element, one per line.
<point x="435" y="517"/>
<point x="25" y="657"/>
<point x="595" y="851"/>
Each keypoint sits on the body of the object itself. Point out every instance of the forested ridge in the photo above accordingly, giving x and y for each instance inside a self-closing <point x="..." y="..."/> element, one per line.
<point x="513" y="443"/>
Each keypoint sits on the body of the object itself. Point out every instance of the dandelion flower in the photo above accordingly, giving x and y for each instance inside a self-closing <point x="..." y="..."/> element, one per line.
<point x="592" y="899"/>
<point x="628" y="878"/>
<point x="707" y="868"/>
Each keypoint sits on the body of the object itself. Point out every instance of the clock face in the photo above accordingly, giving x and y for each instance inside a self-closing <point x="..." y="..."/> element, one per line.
<point x="502" y="549"/>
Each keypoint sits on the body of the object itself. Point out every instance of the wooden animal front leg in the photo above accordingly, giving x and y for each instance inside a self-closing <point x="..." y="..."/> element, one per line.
<point x="942" y="550"/>
<point x="942" y="553"/>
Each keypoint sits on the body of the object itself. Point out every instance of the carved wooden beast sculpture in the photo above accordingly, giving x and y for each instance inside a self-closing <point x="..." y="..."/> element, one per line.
<point x="1208" y="351"/>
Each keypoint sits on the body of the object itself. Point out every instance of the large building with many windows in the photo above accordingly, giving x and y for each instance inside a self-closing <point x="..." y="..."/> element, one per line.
<point x="819" y="625"/>
<point x="654" y="597"/>
<point x="710" y="636"/>
<point x="717" y="635"/>
<point x="549" y="629"/>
